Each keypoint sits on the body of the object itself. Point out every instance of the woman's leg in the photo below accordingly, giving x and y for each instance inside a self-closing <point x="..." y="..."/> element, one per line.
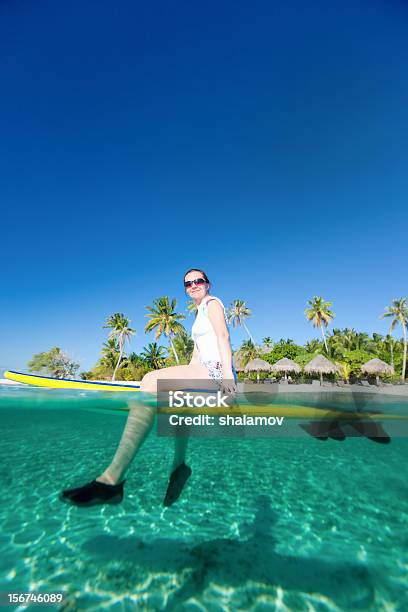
<point x="137" y="428"/>
<point x="180" y="449"/>
<point x="141" y="417"/>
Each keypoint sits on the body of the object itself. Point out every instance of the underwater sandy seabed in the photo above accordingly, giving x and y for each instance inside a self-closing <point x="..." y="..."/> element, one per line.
<point x="262" y="524"/>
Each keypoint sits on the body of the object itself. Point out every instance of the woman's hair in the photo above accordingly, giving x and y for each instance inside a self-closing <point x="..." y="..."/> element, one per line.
<point x="197" y="270"/>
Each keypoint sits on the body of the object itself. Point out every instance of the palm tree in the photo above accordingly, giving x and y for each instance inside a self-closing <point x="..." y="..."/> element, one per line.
<point x="154" y="355"/>
<point x="192" y="307"/>
<point x="335" y="343"/>
<point x="135" y="359"/>
<point x="247" y="351"/>
<point x="385" y="346"/>
<point x="313" y="346"/>
<point x="119" y="324"/>
<point x="320" y="314"/>
<point x="349" y="338"/>
<point x="110" y="353"/>
<point x="399" y="313"/>
<point x="368" y="344"/>
<point x="184" y="345"/>
<point x="237" y="313"/>
<point x="362" y="341"/>
<point x="389" y="344"/>
<point x="286" y="342"/>
<point x="165" y="320"/>
<point x="267" y="342"/>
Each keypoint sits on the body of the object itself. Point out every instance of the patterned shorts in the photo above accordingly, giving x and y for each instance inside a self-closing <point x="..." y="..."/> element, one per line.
<point x="214" y="369"/>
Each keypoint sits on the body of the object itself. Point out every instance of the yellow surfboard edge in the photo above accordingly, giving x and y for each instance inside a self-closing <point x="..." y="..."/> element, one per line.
<point x="64" y="383"/>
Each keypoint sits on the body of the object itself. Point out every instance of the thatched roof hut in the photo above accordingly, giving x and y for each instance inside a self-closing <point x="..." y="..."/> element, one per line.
<point x="378" y="367"/>
<point x="320" y="365"/>
<point x="286" y="365"/>
<point x="258" y="365"/>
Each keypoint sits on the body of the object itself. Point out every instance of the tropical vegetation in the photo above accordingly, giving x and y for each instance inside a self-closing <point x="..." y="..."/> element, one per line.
<point x="237" y="313"/>
<point x="119" y="324"/>
<point x="399" y="313"/>
<point x="164" y="319"/>
<point x="346" y="347"/>
<point x="54" y="362"/>
<point x="319" y="314"/>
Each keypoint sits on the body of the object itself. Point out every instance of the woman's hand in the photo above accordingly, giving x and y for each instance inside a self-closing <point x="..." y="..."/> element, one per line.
<point x="217" y="319"/>
<point x="228" y="385"/>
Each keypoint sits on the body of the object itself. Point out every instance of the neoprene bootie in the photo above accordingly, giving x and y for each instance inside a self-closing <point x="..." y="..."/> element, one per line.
<point x="94" y="493"/>
<point x="177" y="481"/>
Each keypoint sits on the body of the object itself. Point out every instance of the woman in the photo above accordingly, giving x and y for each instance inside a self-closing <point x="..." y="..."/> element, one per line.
<point x="211" y="360"/>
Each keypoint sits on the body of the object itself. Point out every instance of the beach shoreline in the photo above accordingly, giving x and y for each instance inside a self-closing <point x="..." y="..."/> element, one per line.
<point x="280" y="388"/>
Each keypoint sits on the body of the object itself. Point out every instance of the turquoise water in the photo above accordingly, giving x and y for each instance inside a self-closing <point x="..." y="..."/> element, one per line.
<point x="263" y="524"/>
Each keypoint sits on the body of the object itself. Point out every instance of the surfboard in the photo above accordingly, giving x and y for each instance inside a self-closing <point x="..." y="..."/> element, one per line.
<point x="66" y="383"/>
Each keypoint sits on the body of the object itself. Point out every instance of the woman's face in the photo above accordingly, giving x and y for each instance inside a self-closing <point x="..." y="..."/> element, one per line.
<point x="196" y="291"/>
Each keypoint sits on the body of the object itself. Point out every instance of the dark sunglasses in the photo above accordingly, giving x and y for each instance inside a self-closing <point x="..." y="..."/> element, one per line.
<point x="196" y="281"/>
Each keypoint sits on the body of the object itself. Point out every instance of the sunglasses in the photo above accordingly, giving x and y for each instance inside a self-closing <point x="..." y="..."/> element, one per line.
<point x="196" y="281"/>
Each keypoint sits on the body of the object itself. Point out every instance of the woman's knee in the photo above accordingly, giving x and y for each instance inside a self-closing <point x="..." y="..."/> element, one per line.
<point x="149" y="382"/>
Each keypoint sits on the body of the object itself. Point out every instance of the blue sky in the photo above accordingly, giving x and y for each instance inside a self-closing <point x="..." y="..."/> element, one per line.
<point x="265" y="142"/>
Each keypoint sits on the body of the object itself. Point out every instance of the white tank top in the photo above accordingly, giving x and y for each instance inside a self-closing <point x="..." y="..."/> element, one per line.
<point x="203" y="332"/>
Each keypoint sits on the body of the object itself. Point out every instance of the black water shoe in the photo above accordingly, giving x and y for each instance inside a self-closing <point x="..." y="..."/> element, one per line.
<point x="177" y="481"/>
<point x="94" y="493"/>
<point x="371" y="430"/>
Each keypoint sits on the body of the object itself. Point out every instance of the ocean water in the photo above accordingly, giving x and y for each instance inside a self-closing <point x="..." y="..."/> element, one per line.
<point x="286" y="523"/>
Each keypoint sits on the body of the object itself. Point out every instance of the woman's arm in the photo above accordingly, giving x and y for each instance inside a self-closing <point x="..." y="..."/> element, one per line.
<point x="216" y="316"/>
<point x="195" y="358"/>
